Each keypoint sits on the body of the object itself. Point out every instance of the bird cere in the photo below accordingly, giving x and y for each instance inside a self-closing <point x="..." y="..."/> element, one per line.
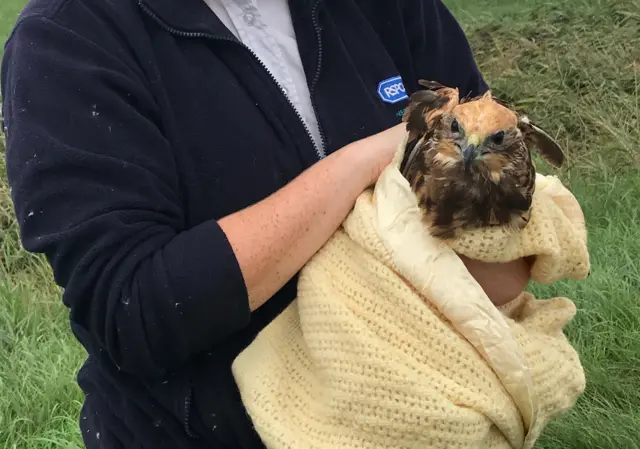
<point x="468" y="160"/>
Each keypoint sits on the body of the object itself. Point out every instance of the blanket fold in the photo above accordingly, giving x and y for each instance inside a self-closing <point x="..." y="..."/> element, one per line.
<point x="391" y="343"/>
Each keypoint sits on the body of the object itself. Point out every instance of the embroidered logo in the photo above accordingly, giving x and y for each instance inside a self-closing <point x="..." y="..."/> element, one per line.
<point x="392" y="90"/>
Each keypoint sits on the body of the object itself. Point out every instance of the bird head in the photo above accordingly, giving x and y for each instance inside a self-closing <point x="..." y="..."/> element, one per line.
<point x="478" y="137"/>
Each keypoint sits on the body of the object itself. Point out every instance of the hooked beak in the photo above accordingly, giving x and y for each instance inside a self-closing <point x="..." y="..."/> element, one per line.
<point x="468" y="155"/>
<point x="469" y="151"/>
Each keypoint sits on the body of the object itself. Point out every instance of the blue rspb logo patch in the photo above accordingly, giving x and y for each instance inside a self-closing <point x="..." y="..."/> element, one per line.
<point x="392" y="90"/>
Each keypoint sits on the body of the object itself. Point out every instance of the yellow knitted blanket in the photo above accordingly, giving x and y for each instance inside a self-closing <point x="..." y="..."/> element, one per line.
<point x="392" y="344"/>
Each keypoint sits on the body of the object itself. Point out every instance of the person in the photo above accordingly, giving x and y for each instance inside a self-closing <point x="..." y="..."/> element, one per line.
<point x="178" y="163"/>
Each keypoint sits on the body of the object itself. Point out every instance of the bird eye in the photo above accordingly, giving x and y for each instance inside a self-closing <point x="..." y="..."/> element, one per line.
<point x="498" y="138"/>
<point x="455" y="127"/>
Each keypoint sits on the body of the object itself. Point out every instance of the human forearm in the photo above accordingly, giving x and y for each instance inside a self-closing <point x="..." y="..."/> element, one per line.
<point x="274" y="238"/>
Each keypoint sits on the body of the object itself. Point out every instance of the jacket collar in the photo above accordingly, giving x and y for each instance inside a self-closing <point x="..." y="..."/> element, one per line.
<point x="194" y="16"/>
<point x="185" y="16"/>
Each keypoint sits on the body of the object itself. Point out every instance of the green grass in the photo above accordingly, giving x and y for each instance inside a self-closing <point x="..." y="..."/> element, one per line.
<point x="574" y="65"/>
<point x="9" y="10"/>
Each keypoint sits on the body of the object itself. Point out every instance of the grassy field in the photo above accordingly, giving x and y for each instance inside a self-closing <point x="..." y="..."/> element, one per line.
<point x="575" y="67"/>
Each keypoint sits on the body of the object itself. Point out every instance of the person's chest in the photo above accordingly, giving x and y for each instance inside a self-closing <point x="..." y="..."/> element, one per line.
<point x="237" y="136"/>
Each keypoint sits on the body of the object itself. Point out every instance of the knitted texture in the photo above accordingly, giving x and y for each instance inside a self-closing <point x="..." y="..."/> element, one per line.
<point x="391" y="343"/>
<point x="555" y="234"/>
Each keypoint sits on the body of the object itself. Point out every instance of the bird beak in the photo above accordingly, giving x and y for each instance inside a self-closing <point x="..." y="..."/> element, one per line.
<point x="468" y="155"/>
<point x="469" y="151"/>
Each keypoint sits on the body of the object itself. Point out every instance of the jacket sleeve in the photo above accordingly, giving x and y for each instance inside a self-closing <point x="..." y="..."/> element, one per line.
<point x="95" y="188"/>
<point x="439" y="48"/>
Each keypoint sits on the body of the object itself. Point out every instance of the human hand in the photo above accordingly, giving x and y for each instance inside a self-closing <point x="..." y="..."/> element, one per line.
<point x="502" y="282"/>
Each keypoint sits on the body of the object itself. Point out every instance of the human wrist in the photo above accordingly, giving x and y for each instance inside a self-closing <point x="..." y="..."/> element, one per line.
<point x="363" y="161"/>
<point x="376" y="152"/>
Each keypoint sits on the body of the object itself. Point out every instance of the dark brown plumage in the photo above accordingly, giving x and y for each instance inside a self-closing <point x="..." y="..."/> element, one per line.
<point x="469" y="162"/>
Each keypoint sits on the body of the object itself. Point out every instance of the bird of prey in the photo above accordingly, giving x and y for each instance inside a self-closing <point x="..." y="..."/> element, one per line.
<point x="468" y="160"/>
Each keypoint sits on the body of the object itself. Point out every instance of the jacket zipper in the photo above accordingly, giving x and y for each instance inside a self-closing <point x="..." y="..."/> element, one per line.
<point x="319" y="151"/>
<point x="312" y="89"/>
<point x="187" y="414"/>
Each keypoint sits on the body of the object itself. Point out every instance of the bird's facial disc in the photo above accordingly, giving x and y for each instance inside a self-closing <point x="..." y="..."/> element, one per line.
<point x="486" y="150"/>
<point x="481" y="129"/>
<point x="470" y="145"/>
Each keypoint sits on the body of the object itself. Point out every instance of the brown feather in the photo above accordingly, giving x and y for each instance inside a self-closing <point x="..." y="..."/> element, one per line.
<point x="424" y="108"/>
<point x="543" y="142"/>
